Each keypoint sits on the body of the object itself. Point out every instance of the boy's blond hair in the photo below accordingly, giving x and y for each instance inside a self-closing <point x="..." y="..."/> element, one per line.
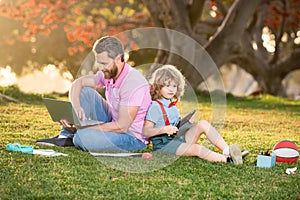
<point x="162" y="77"/>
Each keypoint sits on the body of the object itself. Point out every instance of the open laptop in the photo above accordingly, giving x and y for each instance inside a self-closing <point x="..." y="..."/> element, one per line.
<point x="63" y="110"/>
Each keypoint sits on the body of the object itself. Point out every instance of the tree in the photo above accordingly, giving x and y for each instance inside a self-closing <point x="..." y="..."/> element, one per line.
<point x="234" y="33"/>
<point x="260" y="36"/>
<point x="62" y="32"/>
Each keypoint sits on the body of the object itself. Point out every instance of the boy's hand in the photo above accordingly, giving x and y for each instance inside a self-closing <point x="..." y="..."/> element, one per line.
<point x="170" y="130"/>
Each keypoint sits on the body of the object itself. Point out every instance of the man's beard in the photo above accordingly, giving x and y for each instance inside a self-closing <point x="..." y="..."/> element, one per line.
<point x="111" y="73"/>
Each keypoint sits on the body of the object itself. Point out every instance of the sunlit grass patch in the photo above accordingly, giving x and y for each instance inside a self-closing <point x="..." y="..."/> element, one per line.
<point x="254" y="123"/>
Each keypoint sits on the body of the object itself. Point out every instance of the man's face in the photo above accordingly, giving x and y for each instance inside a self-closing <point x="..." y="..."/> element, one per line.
<point x="107" y="65"/>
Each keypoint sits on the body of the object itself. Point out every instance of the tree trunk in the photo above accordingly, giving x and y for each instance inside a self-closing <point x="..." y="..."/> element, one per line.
<point x="271" y="85"/>
<point x="223" y="46"/>
<point x="233" y="42"/>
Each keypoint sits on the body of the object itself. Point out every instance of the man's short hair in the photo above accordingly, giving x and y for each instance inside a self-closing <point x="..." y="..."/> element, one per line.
<point x="111" y="45"/>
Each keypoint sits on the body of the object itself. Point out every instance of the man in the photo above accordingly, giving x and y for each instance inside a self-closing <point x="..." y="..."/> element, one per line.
<point x="127" y="101"/>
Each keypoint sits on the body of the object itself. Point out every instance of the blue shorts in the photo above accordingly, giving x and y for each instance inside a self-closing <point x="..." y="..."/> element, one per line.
<point x="171" y="147"/>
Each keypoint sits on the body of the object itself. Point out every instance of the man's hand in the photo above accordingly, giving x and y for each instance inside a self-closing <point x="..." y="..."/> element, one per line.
<point x="70" y="127"/>
<point x="80" y="113"/>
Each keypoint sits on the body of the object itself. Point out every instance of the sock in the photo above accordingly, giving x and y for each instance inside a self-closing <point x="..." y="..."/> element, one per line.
<point x="229" y="160"/>
<point x="226" y="151"/>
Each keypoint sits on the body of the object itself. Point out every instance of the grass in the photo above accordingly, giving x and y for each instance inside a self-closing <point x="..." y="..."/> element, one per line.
<point x="255" y="123"/>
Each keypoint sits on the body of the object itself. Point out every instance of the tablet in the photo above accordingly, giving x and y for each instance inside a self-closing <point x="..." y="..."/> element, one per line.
<point x="186" y="118"/>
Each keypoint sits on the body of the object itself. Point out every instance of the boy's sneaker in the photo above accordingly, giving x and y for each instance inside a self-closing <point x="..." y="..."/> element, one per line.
<point x="236" y="154"/>
<point x="56" y="141"/>
<point x="245" y="153"/>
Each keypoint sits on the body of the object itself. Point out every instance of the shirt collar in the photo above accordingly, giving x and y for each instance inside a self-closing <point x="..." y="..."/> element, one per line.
<point x="121" y="76"/>
<point x="166" y="102"/>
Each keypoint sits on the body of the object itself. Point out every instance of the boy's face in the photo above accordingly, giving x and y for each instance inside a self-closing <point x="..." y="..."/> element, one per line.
<point x="169" y="90"/>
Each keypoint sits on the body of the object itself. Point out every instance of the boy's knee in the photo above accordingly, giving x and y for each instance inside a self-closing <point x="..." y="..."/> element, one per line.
<point x="202" y="124"/>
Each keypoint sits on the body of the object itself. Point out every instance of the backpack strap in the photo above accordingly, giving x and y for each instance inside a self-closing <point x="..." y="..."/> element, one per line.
<point x="164" y="112"/>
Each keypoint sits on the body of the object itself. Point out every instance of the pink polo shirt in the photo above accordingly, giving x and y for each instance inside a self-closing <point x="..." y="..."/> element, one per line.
<point x="130" y="89"/>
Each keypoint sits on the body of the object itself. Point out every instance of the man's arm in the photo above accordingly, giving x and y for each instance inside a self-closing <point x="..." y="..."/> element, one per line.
<point x="127" y="115"/>
<point x="74" y="93"/>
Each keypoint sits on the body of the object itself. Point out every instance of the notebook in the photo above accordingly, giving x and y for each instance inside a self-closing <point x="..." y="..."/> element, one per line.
<point x="183" y="126"/>
<point x="63" y="110"/>
<point x="185" y="119"/>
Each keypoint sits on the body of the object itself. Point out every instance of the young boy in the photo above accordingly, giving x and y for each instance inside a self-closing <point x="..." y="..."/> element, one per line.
<point x="167" y="86"/>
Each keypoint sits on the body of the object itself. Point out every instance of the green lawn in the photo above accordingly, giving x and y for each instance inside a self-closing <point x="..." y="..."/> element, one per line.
<point x="255" y="123"/>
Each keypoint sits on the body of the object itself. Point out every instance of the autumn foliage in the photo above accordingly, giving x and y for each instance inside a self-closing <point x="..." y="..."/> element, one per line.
<point x="82" y="21"/>
<point x="280" y="12"/>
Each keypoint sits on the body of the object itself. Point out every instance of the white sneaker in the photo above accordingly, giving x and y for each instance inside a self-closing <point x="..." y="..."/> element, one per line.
<point x="245" y="153"/>
<point x="236" y="154"/>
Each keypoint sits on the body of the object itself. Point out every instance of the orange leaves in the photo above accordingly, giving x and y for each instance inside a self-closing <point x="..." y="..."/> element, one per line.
<point x="82" y="36"/>
<point x="46" y="31"/>
<point x="83" y="21"/>
<point x="86" y="32"/>
<point x="139" y="17"/>
<point x="31" y="2"/>
<point x="47" y="20"/>
<point x="70" y="37"/>
<point x="77" y="11"/>
<point x="134" y="46"/>
<point x="75" y="49"/>
<point x="10" y="41"/>
<point x="71" y="52"/>
<point x="212" y="3"/>
<point x="66" y="28"/>
<point x="278" y="11"/>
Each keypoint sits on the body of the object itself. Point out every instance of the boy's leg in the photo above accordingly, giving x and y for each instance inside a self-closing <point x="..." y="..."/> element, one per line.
<point x="192" y="135"/>
<point x="216" y="139"/>
<point x="202" y="152"/>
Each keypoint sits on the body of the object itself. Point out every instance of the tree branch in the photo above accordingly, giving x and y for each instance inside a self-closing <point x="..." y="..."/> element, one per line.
<point x="279" y="35"/>
<point x="226" y="42"/>
<point x="195" y="11"/>
<point x="153" y="8"/>
<point x="289" y="63"/>
<point x="180" y="15"/>
<point x="256" y="31"/>
<point x="205" y="28"/>
<point x="8" y="98"/>
<point x="221" y="7"/>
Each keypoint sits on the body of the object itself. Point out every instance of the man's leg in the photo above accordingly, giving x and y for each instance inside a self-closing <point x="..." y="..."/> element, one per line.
<point x="96" y="141"/>
<point x="95" y="107"/>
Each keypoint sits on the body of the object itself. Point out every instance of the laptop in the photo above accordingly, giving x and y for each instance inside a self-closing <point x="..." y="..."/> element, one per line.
<point x="63" y="110"/>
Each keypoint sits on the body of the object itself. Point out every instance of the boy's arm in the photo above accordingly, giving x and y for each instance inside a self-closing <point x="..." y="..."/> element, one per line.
<point x="150" y="131"/>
